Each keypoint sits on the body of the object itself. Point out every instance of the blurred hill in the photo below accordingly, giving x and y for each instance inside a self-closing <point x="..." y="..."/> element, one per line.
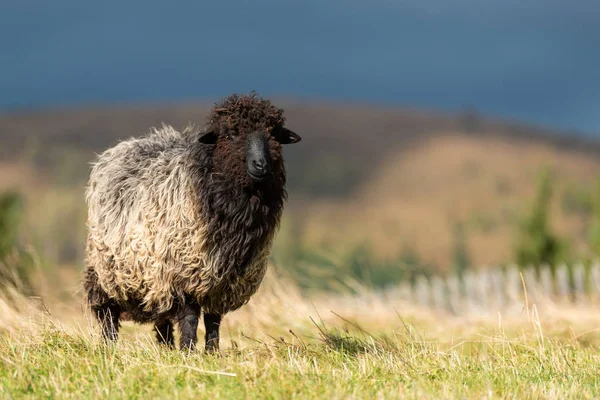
<point x="389" y="178"/>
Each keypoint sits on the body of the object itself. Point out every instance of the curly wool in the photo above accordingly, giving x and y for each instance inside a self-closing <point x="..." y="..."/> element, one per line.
<point x="163" y="225"/>
<point x="241" y="113"/>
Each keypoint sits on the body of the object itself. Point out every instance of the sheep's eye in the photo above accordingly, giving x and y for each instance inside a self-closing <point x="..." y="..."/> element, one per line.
<point x="231" y="136"/>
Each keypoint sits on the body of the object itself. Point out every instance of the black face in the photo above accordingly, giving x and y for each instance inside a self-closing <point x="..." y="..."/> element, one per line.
<point x="249" y="157"/>
<point x="258" y="159"/>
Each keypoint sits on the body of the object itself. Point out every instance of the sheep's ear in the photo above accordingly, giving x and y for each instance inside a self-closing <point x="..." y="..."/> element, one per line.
<point x="288" y="137"/>
<point x="209" y="138"/>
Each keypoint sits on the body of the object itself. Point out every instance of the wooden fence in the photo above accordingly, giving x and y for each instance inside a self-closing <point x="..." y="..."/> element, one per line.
<point x="496" y="289"/>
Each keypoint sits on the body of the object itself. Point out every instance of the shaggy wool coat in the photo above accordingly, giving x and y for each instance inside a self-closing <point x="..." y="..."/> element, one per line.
<point x="164" y="225"/>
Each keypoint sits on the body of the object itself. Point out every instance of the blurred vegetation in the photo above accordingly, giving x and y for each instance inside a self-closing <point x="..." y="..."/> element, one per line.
<point x="483" y="222"/>
<point x="59" y="228"/>
<point x="461" y="261"/>
<point x="316" y="269"/>
<point x="16" y="262"/>
<point x="584" y="202"/>
<point x="323" y="269"/>
<point x="333" y="178"/>
<point x="59" y="158"/>
<point x="578" y="200"/>
<point x="11" y="213"/>
<point x="536" y="244"/>
<point x="594" y="226"/>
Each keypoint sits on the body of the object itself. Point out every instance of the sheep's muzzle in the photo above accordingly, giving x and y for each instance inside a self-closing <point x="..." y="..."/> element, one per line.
<point x="258" y="160"/>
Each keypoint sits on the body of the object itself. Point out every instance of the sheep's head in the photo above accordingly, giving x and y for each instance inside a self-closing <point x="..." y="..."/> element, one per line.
<point x="247" y="133"/>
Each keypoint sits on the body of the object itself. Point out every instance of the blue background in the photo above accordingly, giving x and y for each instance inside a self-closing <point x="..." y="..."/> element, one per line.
<point x="537" y="61"/>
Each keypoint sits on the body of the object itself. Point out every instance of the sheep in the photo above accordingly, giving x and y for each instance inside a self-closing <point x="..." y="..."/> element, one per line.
<point x="181" y="223"/>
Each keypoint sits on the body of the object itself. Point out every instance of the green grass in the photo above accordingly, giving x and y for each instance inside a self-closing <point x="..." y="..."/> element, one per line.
<point x="328" y="363"/>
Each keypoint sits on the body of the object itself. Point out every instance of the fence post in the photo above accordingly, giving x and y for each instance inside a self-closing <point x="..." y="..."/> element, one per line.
<point x="562" y="282"/>
<point x="469" y="285"/>
<point x="438" y="293"/>
<point x="546" y="283"/>
<point x="422" y="291"/>
<point x="455" y="294"/>
<point x="483" y="286"/>
<point x="534" y="294"/>
<point x="512" y="285"/>
<point x="404" y="291"/>
<point x="496" y="282"/>
<point x="579" y="283"/>
<point x="595" y="276"/>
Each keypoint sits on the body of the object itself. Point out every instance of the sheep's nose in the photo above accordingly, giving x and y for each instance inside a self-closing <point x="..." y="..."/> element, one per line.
<point x="260" y="165"/>
<point x="257" y="157"/>
<point x="258" y="168"/>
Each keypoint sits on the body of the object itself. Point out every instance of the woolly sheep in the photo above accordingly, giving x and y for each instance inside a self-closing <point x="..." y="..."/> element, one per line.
<point x="182" y="222"/>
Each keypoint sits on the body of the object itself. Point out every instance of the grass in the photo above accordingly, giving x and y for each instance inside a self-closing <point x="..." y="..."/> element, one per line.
<point x="285" y="345"/>
<point x="53" y="363"/>
<point x="282" y="345"/>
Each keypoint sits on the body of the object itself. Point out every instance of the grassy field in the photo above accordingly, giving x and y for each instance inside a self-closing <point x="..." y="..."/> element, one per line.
<point x="54" y="364"/>
<point x="389" y="201"/>
<point x="283" y="345"/>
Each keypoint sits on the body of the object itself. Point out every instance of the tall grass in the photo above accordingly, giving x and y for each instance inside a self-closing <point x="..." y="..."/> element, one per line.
<point x="284" y="345"/>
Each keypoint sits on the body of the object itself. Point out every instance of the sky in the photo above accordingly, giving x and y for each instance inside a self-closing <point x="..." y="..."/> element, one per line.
<point x="536" y="61"/>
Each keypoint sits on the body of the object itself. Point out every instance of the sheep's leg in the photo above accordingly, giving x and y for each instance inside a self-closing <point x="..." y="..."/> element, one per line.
<point x="188" y="326"/>
<point x="106" y="310"/>
<point x="211" y="324"/>
<point x="164" y="333"/>
<point x="108" y="315"/>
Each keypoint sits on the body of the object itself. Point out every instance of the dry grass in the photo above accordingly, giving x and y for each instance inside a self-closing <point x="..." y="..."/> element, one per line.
<point x="362" y="344"/>
<point x="284" y="345"/>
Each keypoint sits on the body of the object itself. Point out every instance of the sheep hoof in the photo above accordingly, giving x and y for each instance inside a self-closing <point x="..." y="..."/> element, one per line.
<point x="187" y="347"/>
<point x="212" y="347"/>
<point x="164" y="333"/>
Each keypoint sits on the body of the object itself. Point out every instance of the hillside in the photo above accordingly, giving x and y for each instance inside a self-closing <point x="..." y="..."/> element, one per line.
<point x="391" y="178"/>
